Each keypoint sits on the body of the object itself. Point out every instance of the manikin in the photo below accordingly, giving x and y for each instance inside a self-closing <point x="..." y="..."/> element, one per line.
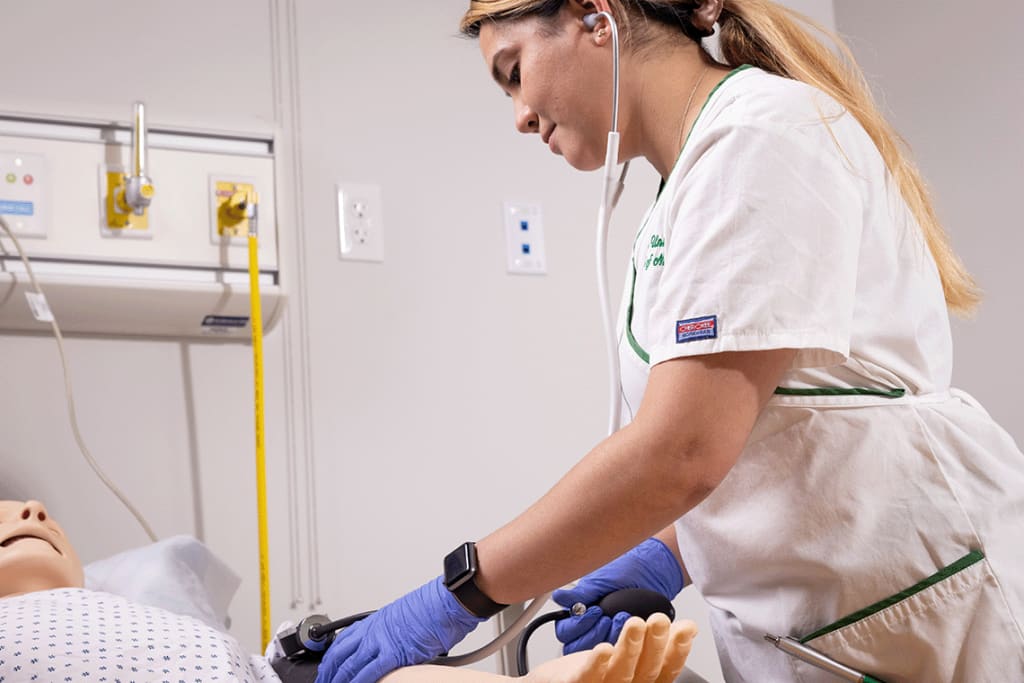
<point x="42" y="577"/>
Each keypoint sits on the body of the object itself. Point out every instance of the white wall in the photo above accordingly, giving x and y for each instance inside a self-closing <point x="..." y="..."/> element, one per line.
<point x="200" y="65"/>
<point x="951" y="83"/>
<point x="821" y="11"/>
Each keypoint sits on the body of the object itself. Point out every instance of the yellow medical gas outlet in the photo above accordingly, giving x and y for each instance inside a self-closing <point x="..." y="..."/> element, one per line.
<point x="231" y="199"/>
<point x="120" y="215"/>
<point x="128" y="196"/>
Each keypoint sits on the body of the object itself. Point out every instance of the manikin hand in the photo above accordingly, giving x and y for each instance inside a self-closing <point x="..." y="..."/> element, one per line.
<point x="646" y="652"/>
<point x="654" y="651"/>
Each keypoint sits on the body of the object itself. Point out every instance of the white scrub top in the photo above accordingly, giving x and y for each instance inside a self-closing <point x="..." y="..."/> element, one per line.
<point x="874" y="512"/>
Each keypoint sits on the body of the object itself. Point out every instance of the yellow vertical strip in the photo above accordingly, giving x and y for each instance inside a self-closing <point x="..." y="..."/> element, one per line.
<point x="256" y="322"/>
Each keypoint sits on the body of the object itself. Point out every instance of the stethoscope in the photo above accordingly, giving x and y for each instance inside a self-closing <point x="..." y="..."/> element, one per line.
<point x="611" y="191"/>
<point x="314" y="634"/>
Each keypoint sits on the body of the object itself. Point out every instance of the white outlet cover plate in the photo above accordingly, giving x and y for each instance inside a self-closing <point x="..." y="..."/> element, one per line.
<point x="360" y="222"/>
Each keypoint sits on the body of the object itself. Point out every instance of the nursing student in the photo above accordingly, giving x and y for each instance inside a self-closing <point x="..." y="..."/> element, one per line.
<point x="794" y="449"/>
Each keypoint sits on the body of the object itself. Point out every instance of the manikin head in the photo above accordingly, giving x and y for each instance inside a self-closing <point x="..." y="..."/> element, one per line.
<point x="35" y="555"/>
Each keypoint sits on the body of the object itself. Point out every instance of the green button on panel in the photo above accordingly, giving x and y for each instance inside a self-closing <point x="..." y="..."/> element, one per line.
<point x="11" y="178"/>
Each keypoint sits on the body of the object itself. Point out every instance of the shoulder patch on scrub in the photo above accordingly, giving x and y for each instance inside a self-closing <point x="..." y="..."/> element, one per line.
<point x="695" y="329"/>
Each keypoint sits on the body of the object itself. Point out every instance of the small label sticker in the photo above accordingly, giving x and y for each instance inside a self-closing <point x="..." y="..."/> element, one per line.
<point x="225" y="321"/>
<point x="11" y="208"/>
<point x="695" y="329"/>
<point x="40" y="309"/>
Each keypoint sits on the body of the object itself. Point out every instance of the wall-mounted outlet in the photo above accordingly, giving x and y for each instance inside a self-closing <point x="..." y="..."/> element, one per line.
<point x="116" y="219"/>
<point x="228" y="197"/>
<point x="360" y="222"/>
<point x="524" y="239"/>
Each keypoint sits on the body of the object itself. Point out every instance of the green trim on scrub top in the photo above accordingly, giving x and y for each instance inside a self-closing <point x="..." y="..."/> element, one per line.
<point x="839" y="391"/>
<point x="742" y="67"/>
<point x="644" y="356"/>
<point x="963" y="563"/>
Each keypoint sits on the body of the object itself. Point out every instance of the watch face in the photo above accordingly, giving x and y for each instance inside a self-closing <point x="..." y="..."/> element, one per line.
<point x="459" y="566"/>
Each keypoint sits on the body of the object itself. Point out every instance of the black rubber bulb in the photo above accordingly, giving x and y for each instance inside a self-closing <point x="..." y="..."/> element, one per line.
<point x="639" y="602"/>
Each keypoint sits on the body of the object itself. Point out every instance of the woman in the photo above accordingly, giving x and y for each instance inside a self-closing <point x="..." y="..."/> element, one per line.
<point x="786" y="360"/>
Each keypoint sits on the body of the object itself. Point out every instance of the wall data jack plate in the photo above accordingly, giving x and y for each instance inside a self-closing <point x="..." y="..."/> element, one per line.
<point x="524" y="239"/>
<point x="360" y="222"/>
<point x="223" y="228"/>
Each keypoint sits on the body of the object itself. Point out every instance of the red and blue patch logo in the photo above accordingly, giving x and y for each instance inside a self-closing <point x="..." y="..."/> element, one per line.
<point x="696" y="329"/>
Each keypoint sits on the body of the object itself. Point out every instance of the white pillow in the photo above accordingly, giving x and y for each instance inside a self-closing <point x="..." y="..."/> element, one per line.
<point x="178" y="574"/>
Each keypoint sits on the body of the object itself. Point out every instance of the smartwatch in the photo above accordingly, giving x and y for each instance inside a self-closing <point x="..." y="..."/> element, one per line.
<point x="460" y="568"/>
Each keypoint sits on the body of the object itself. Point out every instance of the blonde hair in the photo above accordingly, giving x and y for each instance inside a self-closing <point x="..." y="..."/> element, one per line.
<point x="774" y="38"/>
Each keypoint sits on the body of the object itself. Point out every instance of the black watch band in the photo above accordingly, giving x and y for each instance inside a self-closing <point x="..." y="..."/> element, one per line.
<point x="460" y="569"/>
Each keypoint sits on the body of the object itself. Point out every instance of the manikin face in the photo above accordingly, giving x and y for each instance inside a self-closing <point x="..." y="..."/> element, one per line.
<point x="560" y="84"/>
<point x="35" y="555"/>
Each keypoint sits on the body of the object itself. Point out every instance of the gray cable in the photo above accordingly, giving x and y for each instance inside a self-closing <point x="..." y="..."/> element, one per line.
<point x="69" y="396"/>
<point x="501" y="641"/>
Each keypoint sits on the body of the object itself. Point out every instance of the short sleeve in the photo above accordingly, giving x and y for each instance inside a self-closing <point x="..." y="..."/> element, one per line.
<point x="761" y="247"/>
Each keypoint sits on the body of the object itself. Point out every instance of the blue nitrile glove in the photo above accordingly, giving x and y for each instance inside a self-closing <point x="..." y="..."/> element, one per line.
<point x="414" y="629"/>
<point x="650" y="565"/>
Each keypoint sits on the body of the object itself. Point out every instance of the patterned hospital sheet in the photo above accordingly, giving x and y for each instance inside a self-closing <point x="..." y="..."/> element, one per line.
<point x="73" y="635"/>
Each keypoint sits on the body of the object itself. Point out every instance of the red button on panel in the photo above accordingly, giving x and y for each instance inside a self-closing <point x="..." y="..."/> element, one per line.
<point x="29" y="179"/>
